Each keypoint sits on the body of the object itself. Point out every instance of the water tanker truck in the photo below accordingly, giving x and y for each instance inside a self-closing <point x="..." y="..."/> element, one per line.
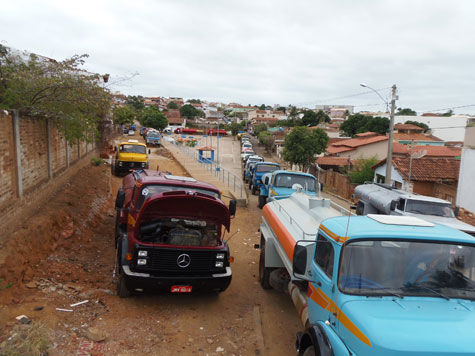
<point x="379" y="285"/>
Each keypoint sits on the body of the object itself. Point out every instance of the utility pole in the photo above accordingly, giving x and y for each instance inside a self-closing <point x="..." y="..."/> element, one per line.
<point x="389" y="159"/>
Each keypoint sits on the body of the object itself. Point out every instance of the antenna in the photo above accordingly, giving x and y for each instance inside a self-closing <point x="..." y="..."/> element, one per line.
<point x="237" y="231"/>
<point x="348" y="223"/>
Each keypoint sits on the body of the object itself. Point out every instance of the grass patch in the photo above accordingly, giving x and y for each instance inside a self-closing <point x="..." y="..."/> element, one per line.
<point x="27" y="340"/>
<point x="97" y="161"/>
<point x="8" y="285"/>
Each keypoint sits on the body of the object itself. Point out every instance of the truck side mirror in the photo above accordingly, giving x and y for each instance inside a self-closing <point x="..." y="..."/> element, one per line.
<point x="115" y="148"/>
<point x="302" y="260"/>
<point x="266" y="180"/>
<point x="232" y="207"/>
<point x="119" y="200"/>
<point x="149" y="151"/>
<point x="393" y="205"/>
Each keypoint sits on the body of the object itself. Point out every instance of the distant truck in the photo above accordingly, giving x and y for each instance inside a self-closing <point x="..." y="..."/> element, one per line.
<point x="375" y="198"/>
<point x="249" y="165"/>
<point x="153" y="138"/>
<point x="257" y="172"/>
<point x="129" y="155"/>
<point x="281" y="184"/>
<point x="133" y="127"/>
<point x="170" y="235"/>
<point x="375" y="285"/>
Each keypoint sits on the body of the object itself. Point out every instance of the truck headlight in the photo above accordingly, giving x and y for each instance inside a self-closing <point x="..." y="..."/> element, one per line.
<point x="143" y="253"/>
<point x="142" y="262"/>
<point x="120" y="164"/>
<point x="219" y="264"/>
<point x="143" y="164"/>
<point x="220" y="256"/>
<point x="259" y="181"/>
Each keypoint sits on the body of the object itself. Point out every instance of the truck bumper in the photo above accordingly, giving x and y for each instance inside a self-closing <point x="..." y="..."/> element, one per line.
<point x="129" y="166"/>
<point x="145" y="282"/>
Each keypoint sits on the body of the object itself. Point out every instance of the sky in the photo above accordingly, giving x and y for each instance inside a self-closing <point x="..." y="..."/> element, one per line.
<point x="297" y="52"/>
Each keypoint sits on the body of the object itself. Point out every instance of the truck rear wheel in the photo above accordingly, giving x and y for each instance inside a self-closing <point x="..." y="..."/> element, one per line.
<point x="254" y="190"/>
<point x="309" y="351"/>
<point x="264" y="272"/>
<point x="262" y="201"/>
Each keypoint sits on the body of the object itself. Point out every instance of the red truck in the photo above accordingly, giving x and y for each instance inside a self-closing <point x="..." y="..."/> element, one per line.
<point x="170" y="235"/>
<point x="215" y="132"/>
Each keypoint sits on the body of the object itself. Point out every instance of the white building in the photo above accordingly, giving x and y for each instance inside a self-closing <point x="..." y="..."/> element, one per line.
<point x="466" y="188"/>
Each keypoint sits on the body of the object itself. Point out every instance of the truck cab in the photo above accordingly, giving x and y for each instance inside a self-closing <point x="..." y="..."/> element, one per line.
<point x="170" y="235"/>
<point x="258" y="171"/>
<point x="280" y="184"/>
<point x="153" y="137"/>
<point x="129" y="155"/>
<point x="249" y="165"/>
<point x="375" y="285"/>
<point x="384" y="199"/>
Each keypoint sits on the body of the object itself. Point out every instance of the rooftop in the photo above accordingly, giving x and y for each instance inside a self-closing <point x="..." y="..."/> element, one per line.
<point x="428" y="169"/>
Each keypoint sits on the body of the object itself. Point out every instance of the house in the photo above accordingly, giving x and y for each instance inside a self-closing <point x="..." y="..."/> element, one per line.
<point x="269" y="114"/>
<point x="174" y="119"/>
<point x="426" y="151"/>
<point x="364" y="145"/>
<point x="407" y="133"/>
<point x="436" y="177"/>
<point x="335" y="163"/>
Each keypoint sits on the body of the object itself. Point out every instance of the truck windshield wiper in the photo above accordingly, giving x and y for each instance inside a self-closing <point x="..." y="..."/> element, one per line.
<point x="389" y="291"/>
<point x="418" y="286"/>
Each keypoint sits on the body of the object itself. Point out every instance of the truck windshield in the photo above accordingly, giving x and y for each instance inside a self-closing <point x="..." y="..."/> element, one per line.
<point x="266" y="168"/>
<point x="154" y="135"/>
<point x="180" y="232"/>
<point x="150" y="190"/>
<point x="405" y="268"/>
<point x="132" y="149"/>
<point x="288" y="180"/>
<point x="429" y="208"/>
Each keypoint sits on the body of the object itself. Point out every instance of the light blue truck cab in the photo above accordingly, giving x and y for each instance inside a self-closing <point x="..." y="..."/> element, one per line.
<point x="280" y="184"/>
<point x="385" y="285"/>
<point x="258" y="171"/>
<point x="153" y="138"/>
<point x="249" y="165"/>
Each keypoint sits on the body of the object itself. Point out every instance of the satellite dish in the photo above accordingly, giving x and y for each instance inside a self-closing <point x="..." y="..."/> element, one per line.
<point x="419" y="154"/>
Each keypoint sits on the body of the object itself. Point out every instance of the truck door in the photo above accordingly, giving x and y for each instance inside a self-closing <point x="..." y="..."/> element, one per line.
<point x="323" y="289"/>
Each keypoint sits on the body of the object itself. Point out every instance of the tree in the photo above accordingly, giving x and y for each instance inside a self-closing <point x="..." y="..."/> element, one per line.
<point x="448" y="113"/>
<point x="293" y="114"/>
<point x="282" y="108"/>
<point x="362" y="171"/>
<point x="309" y="118"/>
<point x="266" y="139"/>
<point x="377" y="124"/>
<point x="152" y="117"/>
<point x="172" y="105"/>
<point x="359" y="123"/>
<point x="406" y="111"/>
<point x="301" y="145"/>
<point x="189" y="111"/>
<point x="262" y="107"/>
<point x="136" y="102"/>
<point x="234" y="127"/>
<point x="123" y="115"/>
<point x="259" y="128"/>
<point x="72" y="99"/>
<point x="194" y="101"/>
<point x="417" y="123"/>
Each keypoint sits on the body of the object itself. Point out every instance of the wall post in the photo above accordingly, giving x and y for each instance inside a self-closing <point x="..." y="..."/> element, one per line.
<point x="16" y="139"/>
<point x="48" y="145"/>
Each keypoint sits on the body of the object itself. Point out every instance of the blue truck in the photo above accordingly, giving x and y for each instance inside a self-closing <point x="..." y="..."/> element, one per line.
<point x="153" y="138"/>
<point x="375" y="285"/>
<point x="258" y="171"/>
<point x="280" y="184"/>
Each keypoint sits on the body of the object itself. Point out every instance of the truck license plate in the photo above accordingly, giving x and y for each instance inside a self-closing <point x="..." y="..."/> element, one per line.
<point x="181" y="289"/>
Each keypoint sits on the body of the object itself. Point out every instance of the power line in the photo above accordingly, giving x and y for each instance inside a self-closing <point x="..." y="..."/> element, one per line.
<point x="446" y="109"/>
<point x="338" y="98"/>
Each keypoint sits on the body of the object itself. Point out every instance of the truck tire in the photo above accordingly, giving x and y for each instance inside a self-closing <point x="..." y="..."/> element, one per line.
<point x="254" y="190"/>
<point x="122" y="290"/>
<point x="309" y="351"/>
<point x="250" y="184"/>
<point x="264" y="272"/>
<point x="262" y="201"/>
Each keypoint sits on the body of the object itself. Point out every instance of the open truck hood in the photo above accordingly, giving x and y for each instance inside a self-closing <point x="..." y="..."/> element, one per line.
<point x="185" y="204"/>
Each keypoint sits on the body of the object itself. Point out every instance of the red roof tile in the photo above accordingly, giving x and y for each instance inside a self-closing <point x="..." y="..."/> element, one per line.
<point x="361" y="141"/>
<point x="428" y="169"/>
<point x="367" y="134"/>
<point x="437" y="151"/>
<point x="408" y="127"/>
<point x="402" y="136"/>
<point x="333" y="161"/>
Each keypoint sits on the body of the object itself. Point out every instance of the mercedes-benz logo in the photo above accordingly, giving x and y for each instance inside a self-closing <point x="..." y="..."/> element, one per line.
<point x="183" y="260"/>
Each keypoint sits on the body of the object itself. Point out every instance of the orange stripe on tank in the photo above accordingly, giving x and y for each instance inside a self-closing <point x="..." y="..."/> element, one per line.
<point x="285" y="238"/>
<point x="322" y="300"/>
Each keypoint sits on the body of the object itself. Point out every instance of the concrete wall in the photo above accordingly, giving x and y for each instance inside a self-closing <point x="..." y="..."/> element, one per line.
<point x="32" y="154"/>
<point x="378" y="149"/>
<point x="466" y="187"/>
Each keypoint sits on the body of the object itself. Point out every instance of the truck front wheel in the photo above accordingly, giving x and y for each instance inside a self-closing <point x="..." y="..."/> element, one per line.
<point x="264" y="272"/>
<point x="262" y="201"/>
<point x="309" y="351"/>
<point x="254" y="190"/>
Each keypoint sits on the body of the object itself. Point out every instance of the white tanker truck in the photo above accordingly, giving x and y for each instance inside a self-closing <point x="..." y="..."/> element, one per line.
<point x="375" y="198"/>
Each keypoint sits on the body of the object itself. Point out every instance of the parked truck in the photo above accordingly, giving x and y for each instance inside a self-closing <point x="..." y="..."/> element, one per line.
<point x="375" y="285"/>
<point x="153" y="138"/>
<point x="375" y="198"/>
<point x="281" y="184"/>
<point x="129" y="155"/>
<point x="257" y="172"/>
<point x="170" y="235"/>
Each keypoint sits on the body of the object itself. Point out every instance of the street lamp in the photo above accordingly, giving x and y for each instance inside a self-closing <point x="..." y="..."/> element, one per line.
<point x="389" y="159"/>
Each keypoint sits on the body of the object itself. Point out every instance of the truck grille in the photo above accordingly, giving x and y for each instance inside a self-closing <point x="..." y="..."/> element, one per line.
<point x="195" y="261"/>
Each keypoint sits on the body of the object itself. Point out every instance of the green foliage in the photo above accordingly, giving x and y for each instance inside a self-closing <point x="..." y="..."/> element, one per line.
<point x="123" y="115"/>
<point x="189" y="111"/>
<point x="73" y="99"/>
<point x="448" y="113"/>
<point x="259" y="128"/>
<point x="266" y="139"/>
<point x="301" y="145"/>
<point x="243" y="124"/>
<point x="172" y="105"/>
<point x="282" y="108"/>
<point x="97" y="161"/>
<point x="32" y="340"/>
<point x="190" y="143"/>
<point x="293" y="114"/>
<point x="359" y="123"/>
<point x="152" y="117"/>
<point x="262" y="107"/>
<point x="406" y="111"/>
<point x="312" y="118"/>
<point x="234" y="128"/>
<point x="417" y="123"/>
<point x="136" y="102"/>
<point x="6" y="286"/>
<point x="194" y="101"/>
<point x="362" y="171"/>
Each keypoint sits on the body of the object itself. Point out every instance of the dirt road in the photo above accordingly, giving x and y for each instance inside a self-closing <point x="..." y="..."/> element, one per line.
<point x="64" y="254"/>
